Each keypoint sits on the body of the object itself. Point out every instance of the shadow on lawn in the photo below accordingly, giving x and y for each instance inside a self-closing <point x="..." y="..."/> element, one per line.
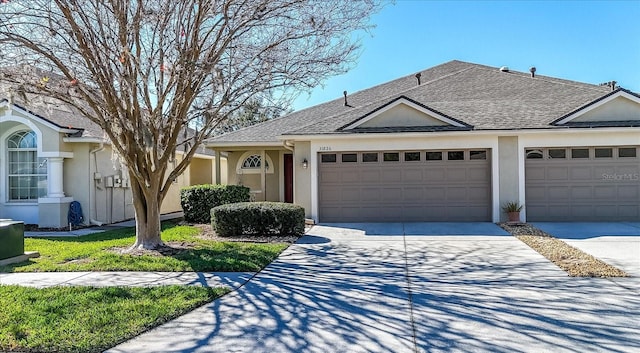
<point x="328" y="297"/>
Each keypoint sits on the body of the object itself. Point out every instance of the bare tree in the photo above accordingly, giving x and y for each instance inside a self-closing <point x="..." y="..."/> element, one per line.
<point x="146" y="70"/>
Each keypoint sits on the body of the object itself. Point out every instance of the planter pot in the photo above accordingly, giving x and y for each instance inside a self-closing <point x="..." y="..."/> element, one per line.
<point x="514" y="216"/>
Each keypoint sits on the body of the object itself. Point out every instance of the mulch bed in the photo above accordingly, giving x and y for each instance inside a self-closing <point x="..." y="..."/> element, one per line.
<point x="207" y="233"/>
<point x="574" y="261"/>
<point x="172" y="248"/>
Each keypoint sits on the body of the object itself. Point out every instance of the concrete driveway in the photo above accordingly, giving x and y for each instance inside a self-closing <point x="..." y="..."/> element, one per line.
<point x="341" y="289"/>
<point x="616" y="243"/>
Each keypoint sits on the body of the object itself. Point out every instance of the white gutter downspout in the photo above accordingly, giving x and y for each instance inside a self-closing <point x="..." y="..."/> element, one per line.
<point x="95" y="187"/>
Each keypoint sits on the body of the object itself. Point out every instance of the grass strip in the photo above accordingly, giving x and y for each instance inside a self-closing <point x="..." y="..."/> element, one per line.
<point x="85" y="319"/>
<point x="574" y="261"/>
<point x="101" y="252"/>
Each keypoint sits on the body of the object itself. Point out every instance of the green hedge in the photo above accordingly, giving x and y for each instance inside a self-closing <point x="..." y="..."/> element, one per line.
<point x="258" y="218"/>
<point x="198" y="200"/>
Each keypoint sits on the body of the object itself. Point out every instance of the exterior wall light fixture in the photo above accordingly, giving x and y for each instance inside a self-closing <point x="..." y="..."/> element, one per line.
<point x="305" y="163"/>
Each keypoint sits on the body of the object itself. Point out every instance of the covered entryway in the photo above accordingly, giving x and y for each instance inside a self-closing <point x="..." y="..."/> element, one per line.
<point x="405" y="186"/>
<point x="583" y="184"/>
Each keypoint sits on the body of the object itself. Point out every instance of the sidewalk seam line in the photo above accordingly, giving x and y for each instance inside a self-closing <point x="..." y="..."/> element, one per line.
<point x="409" y="292"/>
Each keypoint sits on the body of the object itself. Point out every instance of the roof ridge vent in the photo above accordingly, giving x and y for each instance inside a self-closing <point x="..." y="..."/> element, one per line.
<point x="504" y="68"/>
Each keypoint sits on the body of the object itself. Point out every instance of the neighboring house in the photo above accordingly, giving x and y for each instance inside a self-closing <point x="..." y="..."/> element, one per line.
<point x="452" y="143"/>
<point x="51" y="156"/>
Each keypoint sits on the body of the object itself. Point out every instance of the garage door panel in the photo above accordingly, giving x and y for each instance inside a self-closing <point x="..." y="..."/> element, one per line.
<point x="330" y="176"/>
<point x="391" y="194"/>
<point x="557" y="173"/>
<point x="596" y="189"/>
<point x="535" y="193"/>
<point x="478" y="174"/>
<point x="629" y="210"/>
<point x="412" y="175"/>
<point x="405" y="191"/>
<point x="554" y="193"/>
<point x="370" y="176"/>
<point x="435" y="176"/>
<point x="432" y="194"/>
<point x="581" y="192"/>
<point x="477" y="194"/>
<point x="456" y="174"/>
<point x="581" y="173"/>
<point x="351" y="195"/>
<point x="370" y="194"/>
<point x="605" y="192"/>
<point x="581" y="211"/>
<point x="390" y="175"/>
<point x="413" y="193"/>
<point x="456" y="193"/>
<point x="533" y="174"/>
<point x="330" y="194"/>
<point x="628" y="192"/>
<point x="350" y="177"/>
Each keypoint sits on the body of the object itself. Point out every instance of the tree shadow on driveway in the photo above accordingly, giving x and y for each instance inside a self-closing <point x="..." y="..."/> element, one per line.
<point x="493" y="296"/>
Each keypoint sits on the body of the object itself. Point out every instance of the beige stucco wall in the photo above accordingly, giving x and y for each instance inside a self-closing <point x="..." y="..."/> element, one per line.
<point x="402" y="115"/>
<point x="201" y="171"/>
<point x="77" y="177"/>
<point x="49" y="139"/>
<point x="111" y="203"/>
<point x="302" y="177"/>
<point x="619" y="109"/>
<point x="252" y="181"/>
<point x="508" y="171"/>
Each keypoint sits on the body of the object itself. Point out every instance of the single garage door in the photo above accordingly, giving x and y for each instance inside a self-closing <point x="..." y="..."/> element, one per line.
<point x="405" y="186"/>
<point x="583" y="184"/>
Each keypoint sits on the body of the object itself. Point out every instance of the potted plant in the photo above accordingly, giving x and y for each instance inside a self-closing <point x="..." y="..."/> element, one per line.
<point x="512" y="209"/>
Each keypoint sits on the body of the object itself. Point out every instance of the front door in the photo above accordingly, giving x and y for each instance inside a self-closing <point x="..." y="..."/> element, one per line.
<point x="288" y="178"/>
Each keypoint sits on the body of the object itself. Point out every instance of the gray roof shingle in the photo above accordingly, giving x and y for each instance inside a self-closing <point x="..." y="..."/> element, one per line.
<point x="480" y="96"/>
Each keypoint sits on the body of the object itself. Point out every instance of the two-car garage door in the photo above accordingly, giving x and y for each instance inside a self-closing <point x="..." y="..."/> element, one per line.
<point x="583" y="184"/>
<point x="407" y="186"/>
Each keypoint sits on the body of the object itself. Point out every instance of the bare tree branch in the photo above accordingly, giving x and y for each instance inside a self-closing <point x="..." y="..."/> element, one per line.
<point x="146" y="71"/>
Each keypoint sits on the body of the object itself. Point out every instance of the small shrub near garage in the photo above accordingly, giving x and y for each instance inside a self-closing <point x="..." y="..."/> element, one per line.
<point x="258" y="218"/>
<point x="198" y="200"/>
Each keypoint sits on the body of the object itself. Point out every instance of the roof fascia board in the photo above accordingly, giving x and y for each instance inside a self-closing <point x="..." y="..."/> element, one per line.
<point x="402" y="100"/>
<point x="84" y="139"/>
<point x="214" y="144"/>
<point x="457" y="133"/>
<point x="591" y="106"/>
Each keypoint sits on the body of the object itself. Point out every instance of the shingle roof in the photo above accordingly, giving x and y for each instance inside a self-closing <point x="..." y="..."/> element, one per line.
<point x="49" y="109"/>
<point x="480" y="96"/>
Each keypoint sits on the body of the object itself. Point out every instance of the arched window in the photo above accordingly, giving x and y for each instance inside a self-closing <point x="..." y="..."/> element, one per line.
<point x="534" y="154"/>
<point x="27" y="173"/>
<point x="250" y="163"/>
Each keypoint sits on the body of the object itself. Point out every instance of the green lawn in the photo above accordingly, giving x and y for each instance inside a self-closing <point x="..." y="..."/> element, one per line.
<point x="90" y="253"/>
<point x="85" y="319"/>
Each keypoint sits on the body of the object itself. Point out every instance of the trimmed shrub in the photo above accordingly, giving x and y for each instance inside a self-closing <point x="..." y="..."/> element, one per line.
<point x="258" y="218"/>
<point x="198" y="200"/>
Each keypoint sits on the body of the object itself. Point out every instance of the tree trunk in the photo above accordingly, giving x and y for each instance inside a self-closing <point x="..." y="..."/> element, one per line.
<point x="147" y="219"/>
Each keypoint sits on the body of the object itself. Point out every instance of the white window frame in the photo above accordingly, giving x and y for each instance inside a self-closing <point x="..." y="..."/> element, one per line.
<point x="39" y="174"/>
<point x="242" y="169"/>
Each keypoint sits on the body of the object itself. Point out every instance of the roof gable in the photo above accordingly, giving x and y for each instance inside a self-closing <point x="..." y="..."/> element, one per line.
<point x="403" y="112"/>
<point x="619" y="106"/>
<point x="9" y="108"/>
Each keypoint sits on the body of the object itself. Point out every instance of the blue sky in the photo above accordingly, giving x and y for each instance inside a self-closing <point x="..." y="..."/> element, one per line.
<point x="587" y="41"/>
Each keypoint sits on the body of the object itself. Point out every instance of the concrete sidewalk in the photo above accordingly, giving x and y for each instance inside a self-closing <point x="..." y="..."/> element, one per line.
<point x="91" y="230"/>
<point x="232" y="280"/>
<point x="616" y="243"/>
